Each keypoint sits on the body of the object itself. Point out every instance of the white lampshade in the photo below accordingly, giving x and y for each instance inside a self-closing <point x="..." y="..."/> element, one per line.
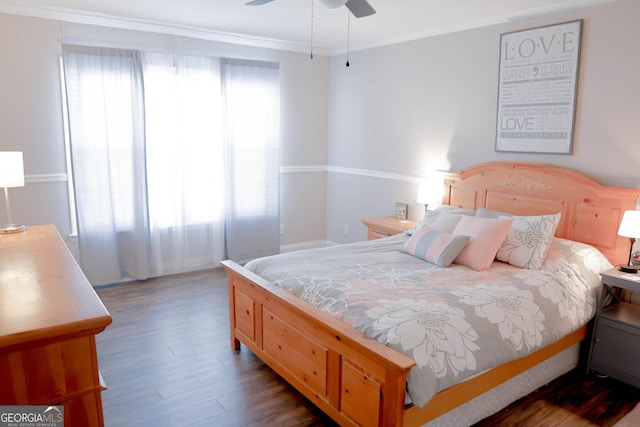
<point x="430" y="192"/>
<point x="630" y="224"/>
<point x="11" y="175"/>
<point x="332" y="4"/>
<point x="424" y="195"/>
<point x="11" y="169"/>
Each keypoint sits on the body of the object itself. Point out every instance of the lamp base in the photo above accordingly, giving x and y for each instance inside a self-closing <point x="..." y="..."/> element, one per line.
<point x="629" y="268"/>
<point x="12" y="228"/>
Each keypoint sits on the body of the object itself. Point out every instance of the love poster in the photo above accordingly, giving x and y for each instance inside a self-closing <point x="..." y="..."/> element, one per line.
<point x="537" y="89"/>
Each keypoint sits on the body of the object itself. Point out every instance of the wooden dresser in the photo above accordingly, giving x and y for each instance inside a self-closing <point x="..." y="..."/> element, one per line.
<point x="49" y="316"/>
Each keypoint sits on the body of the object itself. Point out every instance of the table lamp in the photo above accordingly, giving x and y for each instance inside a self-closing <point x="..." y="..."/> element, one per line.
<point x="424" y="195"/>
<point x="11" y="175"/>
<point x="430" y="193"/>
<point x="630" y="227"/>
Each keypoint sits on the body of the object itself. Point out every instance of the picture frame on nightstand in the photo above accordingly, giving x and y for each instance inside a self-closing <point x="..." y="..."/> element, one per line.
<point x="402" y="210"/>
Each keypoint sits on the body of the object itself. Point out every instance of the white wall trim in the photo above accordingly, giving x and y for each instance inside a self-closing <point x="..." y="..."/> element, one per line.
<point x="353" y="171"/>
<point x="377" y="174"/>
<point x="557" y="7"/>
<point x="68" y="15"/>
<point x="62" y="177"/>
<point x="45" y="177"/>
<point x="302" y="169"/>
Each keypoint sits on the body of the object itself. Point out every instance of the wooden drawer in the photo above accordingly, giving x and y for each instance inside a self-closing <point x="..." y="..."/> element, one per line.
<point x="299" y="354"/>
<point x="50" y="373"/>
<point x="307" y="361"/>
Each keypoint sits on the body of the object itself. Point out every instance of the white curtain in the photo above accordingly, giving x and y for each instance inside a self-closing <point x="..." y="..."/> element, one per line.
<point x="184" y="161"/>
<point x="107" y="133"/>
<point x="251" y="99"/>
<point x="162" y="161"/>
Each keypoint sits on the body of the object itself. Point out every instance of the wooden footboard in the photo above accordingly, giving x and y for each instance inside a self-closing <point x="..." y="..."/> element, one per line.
<point x="353" y="378"/>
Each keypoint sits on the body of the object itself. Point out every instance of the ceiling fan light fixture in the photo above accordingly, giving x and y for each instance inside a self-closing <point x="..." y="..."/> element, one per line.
<point x="332" y="4"/>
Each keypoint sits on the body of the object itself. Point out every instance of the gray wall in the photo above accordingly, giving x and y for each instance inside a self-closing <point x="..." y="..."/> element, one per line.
<point x="31" y="118"/>
<point x="413" y="108"/>
<point x="355" y="140"/>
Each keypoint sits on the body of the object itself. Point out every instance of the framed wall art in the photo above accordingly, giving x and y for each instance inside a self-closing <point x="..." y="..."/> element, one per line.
<point x="537" y="89"/>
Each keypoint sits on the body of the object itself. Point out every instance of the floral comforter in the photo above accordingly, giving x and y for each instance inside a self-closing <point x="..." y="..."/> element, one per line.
<point x="454" y="322"/>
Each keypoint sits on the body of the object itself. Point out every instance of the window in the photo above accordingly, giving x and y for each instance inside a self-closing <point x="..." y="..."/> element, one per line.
<point x="184" y="145"/>
<point x="174" y="158"/>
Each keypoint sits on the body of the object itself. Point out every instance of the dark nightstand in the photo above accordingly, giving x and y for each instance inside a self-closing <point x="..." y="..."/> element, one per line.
<point x="615" y="344"/>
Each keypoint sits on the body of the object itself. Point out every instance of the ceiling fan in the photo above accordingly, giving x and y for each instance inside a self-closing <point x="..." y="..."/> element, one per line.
<point x="359" y="8"/>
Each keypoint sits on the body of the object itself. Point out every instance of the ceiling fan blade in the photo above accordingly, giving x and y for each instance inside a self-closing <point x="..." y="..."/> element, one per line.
<point x="258" y="2"/>
<point x="359" y="8"/>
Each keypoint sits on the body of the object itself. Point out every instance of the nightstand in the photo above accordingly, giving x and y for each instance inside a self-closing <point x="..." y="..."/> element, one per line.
<point x="615" y="344"/>
<point x="386" y="226"/>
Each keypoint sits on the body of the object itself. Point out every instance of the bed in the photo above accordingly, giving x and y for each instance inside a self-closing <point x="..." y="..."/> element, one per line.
<point x="324" y="352"/>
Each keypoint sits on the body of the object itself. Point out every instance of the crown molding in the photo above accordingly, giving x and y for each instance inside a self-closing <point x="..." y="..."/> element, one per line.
<point x="67" y="15"/>
<point x="532" y="13"/>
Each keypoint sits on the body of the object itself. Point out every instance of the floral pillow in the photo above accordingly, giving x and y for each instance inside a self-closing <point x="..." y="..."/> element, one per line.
<point x="444" y="222"/>
<point x="443" y="218"/>
<point x="528" y="240"/>
<point x="434" y="246"/>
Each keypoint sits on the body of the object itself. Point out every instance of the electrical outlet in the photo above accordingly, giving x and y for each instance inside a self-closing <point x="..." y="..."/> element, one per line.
<point x="346" y="229"/>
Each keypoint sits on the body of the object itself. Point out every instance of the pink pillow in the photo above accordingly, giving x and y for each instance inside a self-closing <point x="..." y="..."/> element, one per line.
<point x="487" y="235"/>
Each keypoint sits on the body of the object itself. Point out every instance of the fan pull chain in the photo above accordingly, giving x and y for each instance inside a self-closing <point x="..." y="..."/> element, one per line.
<point x="311" y="38"/>
<point x="348" y="35"/>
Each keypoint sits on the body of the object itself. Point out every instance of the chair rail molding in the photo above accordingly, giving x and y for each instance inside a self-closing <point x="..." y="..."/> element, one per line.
<point x="45" y="177"/>
<point x="352" y="171"/>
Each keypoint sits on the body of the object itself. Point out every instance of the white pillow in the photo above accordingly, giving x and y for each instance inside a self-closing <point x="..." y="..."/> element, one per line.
<point x="528" y="240"/>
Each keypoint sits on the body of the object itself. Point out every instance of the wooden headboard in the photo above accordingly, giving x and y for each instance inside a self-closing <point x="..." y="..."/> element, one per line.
<point x="591" y="212"/>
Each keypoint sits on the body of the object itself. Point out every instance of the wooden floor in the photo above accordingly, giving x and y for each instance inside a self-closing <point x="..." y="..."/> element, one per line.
<point x="167" y="361"/>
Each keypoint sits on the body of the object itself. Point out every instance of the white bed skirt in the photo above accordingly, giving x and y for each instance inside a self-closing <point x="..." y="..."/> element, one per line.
<point x="508" y="392"/>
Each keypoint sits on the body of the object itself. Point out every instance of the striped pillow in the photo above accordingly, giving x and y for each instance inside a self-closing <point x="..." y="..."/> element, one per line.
<point x="434" y="246"/>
